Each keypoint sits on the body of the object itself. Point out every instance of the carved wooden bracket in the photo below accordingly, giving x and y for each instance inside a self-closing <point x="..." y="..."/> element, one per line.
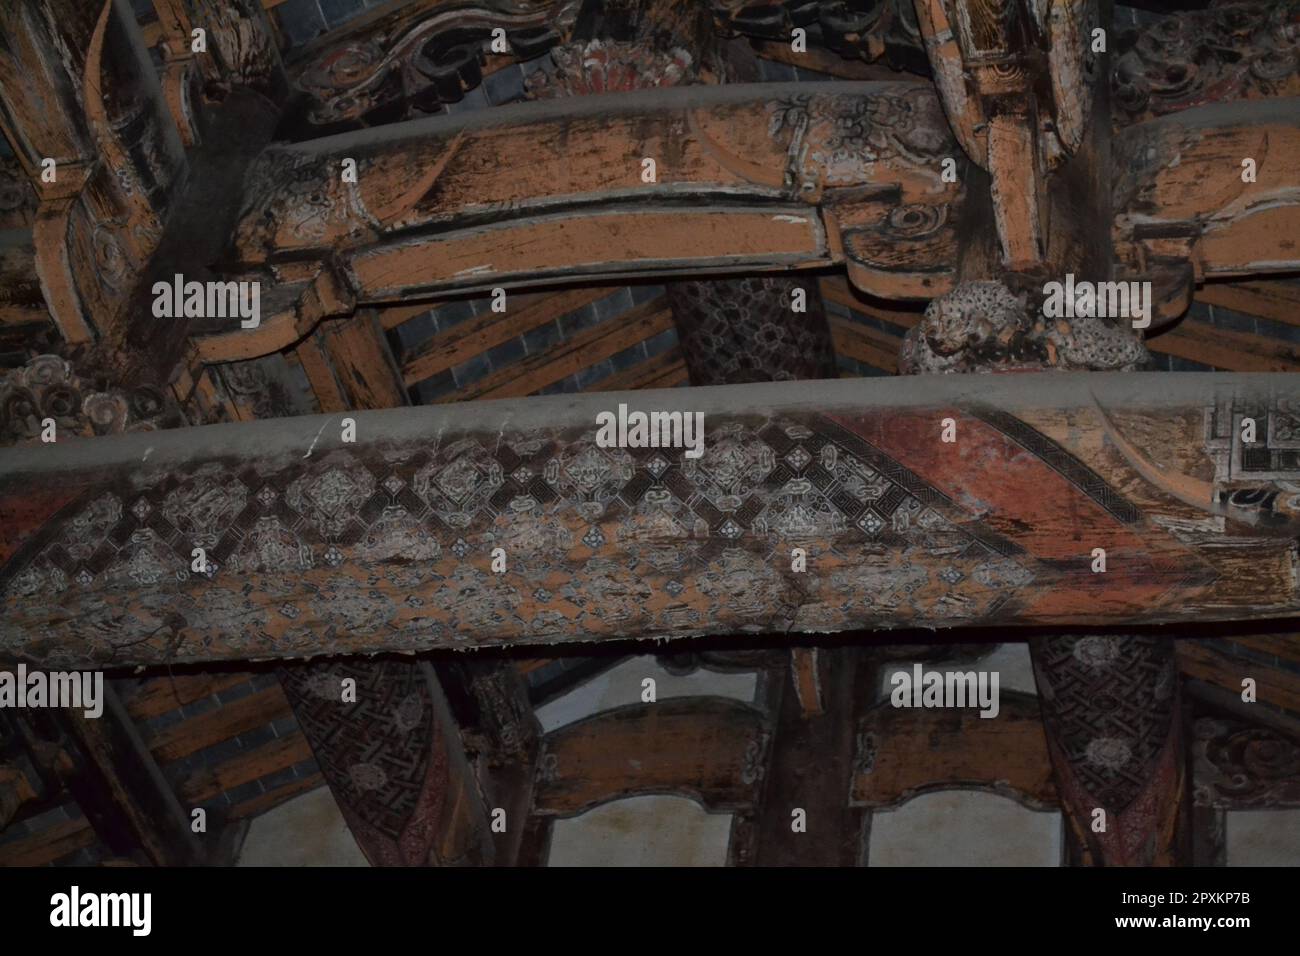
<point x="772" y="177"/>
<point x="1016" y="81"/>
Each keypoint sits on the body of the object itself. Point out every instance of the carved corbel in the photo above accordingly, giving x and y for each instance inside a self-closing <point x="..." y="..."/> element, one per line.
<point x="992" y="61"/>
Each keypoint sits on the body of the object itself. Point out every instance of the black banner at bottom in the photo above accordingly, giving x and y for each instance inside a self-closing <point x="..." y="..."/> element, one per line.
<point x="340" y="907"/>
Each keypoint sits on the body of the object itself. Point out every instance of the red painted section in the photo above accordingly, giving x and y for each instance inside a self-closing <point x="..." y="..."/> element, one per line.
<point x="22" y="516"/>
<point x="1014" y="493"/>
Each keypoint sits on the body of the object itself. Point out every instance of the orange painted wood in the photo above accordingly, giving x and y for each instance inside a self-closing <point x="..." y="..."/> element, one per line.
<point x="693" y="746"/>
<point x="921" y="751"/>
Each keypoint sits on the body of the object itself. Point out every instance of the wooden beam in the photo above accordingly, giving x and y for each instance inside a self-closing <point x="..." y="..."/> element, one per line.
<point x="51" y="844"/>
<point x="1185" y="192"/>
<point x="905" y="753"/>
<point x="256" y="806"/>
<point x="865" y="344"/>
<point x="1275" y="300"/>
<point x="325" y="546"/>
<point x="158" y="695"/>
<point x="665" y="370"/>
<point x="245" y="767"/>
<point x="363" y="365"/>
<point x="1226" y="349"/>
<point x="708" y="748"/>
<point x="237" y="717"/>
<point x="725" y="194"/>
<point x="1215" y="665"/>
<point x="115" y="780"/>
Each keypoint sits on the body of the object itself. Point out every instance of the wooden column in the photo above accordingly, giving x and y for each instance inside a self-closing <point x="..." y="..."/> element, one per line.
<point x="805" y="816"/>
<point x="489" y="700"/>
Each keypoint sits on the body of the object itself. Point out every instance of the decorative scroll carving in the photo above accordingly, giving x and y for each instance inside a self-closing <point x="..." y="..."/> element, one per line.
<point x="1236" y="51"/>
<point x="1109" y="703"/>
<point x="81" y="403"/>
<point x="313" y="554"/>
<point x="423" y="55"/>
<point x="1240" y="766"/>
<point x="983" y="327"/>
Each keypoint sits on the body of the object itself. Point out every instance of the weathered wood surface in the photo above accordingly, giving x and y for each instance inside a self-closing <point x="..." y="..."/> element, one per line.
<point x="812" y="764"/>
<point x="1019" y="90"/>
<point x="489" y="701"/>
<point x="1182" y="193"/>
<point x="758" y="177"/>
<point x="902" y="754"/>
<point x="708" y="748"/>
<point x="77" y="87"/>
<point x="318" y="547"/>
